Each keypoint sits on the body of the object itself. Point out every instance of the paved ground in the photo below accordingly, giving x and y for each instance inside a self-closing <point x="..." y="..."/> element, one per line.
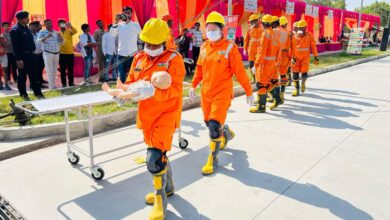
<point x="324" y="155"/>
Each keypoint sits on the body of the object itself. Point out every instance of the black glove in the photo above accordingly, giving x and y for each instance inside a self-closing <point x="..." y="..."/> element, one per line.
<point x="317" y="58"/>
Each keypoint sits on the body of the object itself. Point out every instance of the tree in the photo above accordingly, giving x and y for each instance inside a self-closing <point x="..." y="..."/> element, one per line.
<point x="381" y="9"/>
<point x="330" y="3"/>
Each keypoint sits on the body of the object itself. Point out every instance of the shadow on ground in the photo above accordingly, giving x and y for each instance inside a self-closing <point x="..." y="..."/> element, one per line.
<point x="121" y="199"/>
<point x="305" y="193"/>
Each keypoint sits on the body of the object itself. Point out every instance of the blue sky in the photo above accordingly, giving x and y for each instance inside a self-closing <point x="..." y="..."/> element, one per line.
<point x="352" y="4"/>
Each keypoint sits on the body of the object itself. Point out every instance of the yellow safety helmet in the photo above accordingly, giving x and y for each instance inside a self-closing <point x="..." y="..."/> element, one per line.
<point x="215" y="17"/>
<point x="156" y="31"/>
<point x="283" y="20"/>
<point x="254" y="17"/>
<point x="267" y="19"/>
<point x="275" y="18"/>
<point x="302" y="23"/>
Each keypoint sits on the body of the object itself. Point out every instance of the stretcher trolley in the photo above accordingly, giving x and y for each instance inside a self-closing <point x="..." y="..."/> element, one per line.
<point x="68" y="103"/>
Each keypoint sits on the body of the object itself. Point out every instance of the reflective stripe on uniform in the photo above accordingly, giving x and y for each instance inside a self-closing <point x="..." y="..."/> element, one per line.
<point x="228" y="49"/>
<point x="303" y="49"/>
<point x="270" y="58"/>
<point x="173" y="55"/>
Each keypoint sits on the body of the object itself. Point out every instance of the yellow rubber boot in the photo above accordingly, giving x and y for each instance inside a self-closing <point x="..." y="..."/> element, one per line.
<point x="169" y="187"/>
<point x="277" y="99"/>
<point x="260" y="107"/>
<point x="270" y="99"/>
<point x="304" y="78"/>
<point x="303" y="86"/>
<point x="160" y="197"/>
<point x="296" y="91"/>
<point x="228" y="135"/>
<point x="212" y="160"/>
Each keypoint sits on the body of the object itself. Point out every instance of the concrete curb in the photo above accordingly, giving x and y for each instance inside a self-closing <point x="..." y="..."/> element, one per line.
<point x="345" y="65"/>
<point x="79" y="129"/>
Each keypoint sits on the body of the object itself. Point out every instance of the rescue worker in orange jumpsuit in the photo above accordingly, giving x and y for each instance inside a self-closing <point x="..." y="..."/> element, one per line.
<point x="284" y="64"/>
<point x="265" y="65"/>
<point x="303" y="43"/>
<point x="218" y="62"/>
<point x="292" y="38"/>
<point x="170" y="44"/>
<point x="275" y="76"/>
<point x="252" y="40"/>
<point x="159" y="109"/>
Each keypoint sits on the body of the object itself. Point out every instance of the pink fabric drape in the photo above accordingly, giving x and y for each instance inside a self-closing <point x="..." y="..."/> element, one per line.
<point x="337" y="28"/>
<point x="9" y="8"/>
<point x="143" y="10"/>
<point x="56" y="10"/>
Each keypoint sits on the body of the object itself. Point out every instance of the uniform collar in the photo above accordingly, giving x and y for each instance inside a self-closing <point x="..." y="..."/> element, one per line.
<point x="217" y="43"/>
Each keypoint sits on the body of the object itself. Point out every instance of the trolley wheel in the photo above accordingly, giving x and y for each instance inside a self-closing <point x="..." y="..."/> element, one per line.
<point x="73" y="158"/>
<point x="98" y="173"/>
<point x="183" y="143"/>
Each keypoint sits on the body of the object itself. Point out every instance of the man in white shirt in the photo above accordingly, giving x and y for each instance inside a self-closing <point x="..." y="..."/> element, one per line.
<point x="40" y="63"/>
<point x="127" y="32"/>
<point x="51" y="41"/>
<point x="109" y="49"/>
<point x="87" y="44"/>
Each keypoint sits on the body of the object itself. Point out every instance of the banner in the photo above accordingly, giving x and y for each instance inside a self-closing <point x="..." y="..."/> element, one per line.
<point x="309" y="10"/>
<point x="355" y="42"/>
<point x="250" y="6"/>
<point x="39" y="18"/>
<point x="231" y="27"/>
<point x="330" y="14"/>
<point x="315" y="11"/>
<point x="290" y="7"/>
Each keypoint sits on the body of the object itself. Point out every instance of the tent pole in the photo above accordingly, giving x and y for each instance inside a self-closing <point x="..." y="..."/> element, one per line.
<point x="230" y="7"/>
<point x="360" y="14"/>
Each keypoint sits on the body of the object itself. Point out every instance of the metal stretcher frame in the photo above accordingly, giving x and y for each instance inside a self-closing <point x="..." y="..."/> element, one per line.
<point x="66" y="104"/>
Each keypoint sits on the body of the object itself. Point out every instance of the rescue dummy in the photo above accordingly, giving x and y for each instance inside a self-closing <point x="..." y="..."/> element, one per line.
<point x="159" y="110"/>
<point x="161" y="80"/>
<point x="302" y="44"/>
<point x="218" y="62"/>
<point x="252" y="41"/>
<point x="265" y="65"/>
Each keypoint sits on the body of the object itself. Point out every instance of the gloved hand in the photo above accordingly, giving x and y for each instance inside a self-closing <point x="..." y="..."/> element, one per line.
<point x="144" y="89"/>
<point x="250" y="100"/>
<point x="316" y="60"/>
<point x="245" y="53"/>
<point x="192" y="94"/>
<point x="253" y="70"/>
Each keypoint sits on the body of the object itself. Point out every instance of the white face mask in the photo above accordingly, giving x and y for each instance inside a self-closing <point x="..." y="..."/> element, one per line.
<point x="62" y="25"/>
<point x="154" y="53"/>
<point x="300" y="32"/>
<point x="213" y="35"/>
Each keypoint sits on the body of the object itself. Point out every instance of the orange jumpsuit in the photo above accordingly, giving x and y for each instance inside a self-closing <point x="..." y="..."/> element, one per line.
<point x="215" y="69"/>
<point x="285" y="44"/>
<point x="266" y="59"/>
<point x="301" y="51"/>
<point x="252" y="41"/>
<point x="170" y="43"/>
<point x="159" y="116"/>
